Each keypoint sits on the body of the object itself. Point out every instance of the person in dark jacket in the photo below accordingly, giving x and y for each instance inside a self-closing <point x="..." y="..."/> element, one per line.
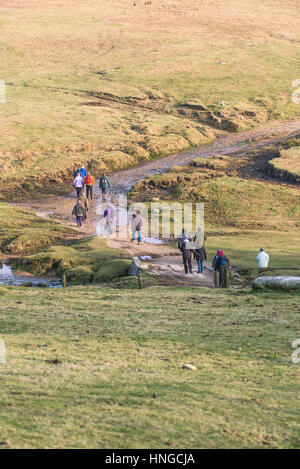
<point x="221" y="264"/>
<point x="76" y="173"/>
<point x="200" y="256"/>
<point x="183" y="237"/>
<point x="187" y="256"/>
<point x="79" y="212"/>
<point x="85" y="204"/>
<point x="104" y="184"/>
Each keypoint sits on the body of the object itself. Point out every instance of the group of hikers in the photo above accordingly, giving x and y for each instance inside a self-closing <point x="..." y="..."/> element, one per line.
<point x="193" y="247"/>
<point x="190" y="247"/>
<point x="84" y="187"/>
<point x="84" y="180"/>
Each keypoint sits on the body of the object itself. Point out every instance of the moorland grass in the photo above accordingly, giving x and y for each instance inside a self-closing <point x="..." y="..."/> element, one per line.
<point x="90" y="367"/>
<point x="81" y="80"/>
<point x="83" y="261"/>
<point x="287" y="166"/>
<point x="23" y="232"/>
<point x="229" y="200"/>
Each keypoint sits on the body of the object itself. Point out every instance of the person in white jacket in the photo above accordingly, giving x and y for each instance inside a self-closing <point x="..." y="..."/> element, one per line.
<point x="262" y="259"/>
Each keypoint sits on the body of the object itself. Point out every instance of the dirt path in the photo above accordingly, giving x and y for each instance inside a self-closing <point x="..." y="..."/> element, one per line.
<point x="166" y="261"/>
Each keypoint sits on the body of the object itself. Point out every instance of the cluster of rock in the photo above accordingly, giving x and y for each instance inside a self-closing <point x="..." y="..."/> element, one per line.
<point x="277" y="283"/>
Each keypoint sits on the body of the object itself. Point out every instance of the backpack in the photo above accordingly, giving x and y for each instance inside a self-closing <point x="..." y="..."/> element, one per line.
<point x="79" y="210"/>
<point x="223" y="261"/>
<point x="104" y="181"/>
<point x="88" y="179"/>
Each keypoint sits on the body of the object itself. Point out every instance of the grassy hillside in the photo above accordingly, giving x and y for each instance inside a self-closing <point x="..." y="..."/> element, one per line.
<point x="241" y="215"/>
<point x="113" y="82"/>
<point x="229" y="200"/>
<point x="287" y="166"/>
<point x="92" y="368"/>
<point x="23" y="232"/>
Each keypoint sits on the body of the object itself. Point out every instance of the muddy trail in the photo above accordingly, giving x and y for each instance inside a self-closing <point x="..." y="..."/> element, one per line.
<point x="165" y="261"/>
<point x="225" y="144"/>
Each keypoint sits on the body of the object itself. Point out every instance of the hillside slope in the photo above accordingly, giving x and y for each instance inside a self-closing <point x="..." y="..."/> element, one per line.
<point x="115" y="82"/>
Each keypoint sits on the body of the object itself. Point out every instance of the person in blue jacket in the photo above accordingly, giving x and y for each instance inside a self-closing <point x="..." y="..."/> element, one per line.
<point x="83" y="172"/>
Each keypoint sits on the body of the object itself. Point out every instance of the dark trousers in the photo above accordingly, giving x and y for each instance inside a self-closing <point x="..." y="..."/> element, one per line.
<point x="187" y="265"/>
<point x="89" y="192"/>
<point x="104" y="193"/>
<point x="78" y="191"/>
<point x="79" y="220"/>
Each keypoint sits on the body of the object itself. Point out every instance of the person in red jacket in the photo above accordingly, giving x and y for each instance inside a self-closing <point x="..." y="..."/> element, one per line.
<point x="89" y="183"/>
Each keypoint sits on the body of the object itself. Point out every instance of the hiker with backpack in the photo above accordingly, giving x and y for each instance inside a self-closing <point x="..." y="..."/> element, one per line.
<point x="83" y="172"/>
<point x="220" y="265"/>
<point x="78" y="184"/>
<point x="89" y="183"/>
<point x="104" y="184"/>
<point x="79" y="212"/>
<point x="137" y="223"/>
<point x="85" y="203"/>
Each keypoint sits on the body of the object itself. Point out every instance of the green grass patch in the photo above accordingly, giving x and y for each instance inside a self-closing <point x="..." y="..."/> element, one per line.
<point x="23" y="232"/>
<point x="94" y="368"/>
<point x="287" y="166"/>
<point x="84" y="261"/>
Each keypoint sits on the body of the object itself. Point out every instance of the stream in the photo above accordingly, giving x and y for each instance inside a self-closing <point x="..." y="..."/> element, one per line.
<point x="7" y="277"/>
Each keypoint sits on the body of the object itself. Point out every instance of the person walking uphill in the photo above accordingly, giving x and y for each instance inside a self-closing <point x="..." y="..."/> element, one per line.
<point x="89" y="183"/>
<point x="85" y="203"/>
<point x="79" y="212"/>
<point x="104" y="184"/>
<point x="78" y="184"/>
<point x="83" y="172"/>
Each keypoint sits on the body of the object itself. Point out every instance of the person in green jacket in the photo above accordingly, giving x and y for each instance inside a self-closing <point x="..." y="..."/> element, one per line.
<point x="104" y="184"/>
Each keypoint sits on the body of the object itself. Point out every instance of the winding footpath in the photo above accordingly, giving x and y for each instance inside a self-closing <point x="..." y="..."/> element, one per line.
<point x="166" y="262"/>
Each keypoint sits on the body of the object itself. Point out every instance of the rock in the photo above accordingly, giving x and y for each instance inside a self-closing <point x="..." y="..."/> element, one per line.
<point x="42" y="285"/>
<point x="54" y="361"/>
<point x="189" y="367"/>
<point x="27" y="284"/>
<point x="277" y="283"/>
<point x="193" y="105"/>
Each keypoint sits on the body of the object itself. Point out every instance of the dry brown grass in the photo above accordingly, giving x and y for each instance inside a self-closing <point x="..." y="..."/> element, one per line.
<point x="82" y="76"/>
<point x="287" y="165"/>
